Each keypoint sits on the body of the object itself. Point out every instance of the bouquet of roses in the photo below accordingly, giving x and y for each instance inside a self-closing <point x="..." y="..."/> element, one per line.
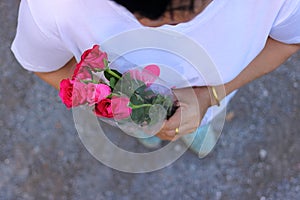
<point x="132" y="97"/>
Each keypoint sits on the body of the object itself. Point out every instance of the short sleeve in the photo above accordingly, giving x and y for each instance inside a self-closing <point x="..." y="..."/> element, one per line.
<point x="287" y="25"/>
<point x="35" y="49"/>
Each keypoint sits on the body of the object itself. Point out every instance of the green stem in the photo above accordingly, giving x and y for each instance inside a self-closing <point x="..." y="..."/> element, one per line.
<point x="139" y="106"/>
<point x="113" y="95"/>
<point x="113" y="73"/>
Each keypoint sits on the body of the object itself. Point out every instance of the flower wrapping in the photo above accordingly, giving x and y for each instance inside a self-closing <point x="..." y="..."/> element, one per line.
<point x="135" y="99"/>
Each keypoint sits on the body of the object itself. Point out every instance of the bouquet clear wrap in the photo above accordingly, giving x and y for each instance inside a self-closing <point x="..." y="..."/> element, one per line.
<point x="137" y="100"/>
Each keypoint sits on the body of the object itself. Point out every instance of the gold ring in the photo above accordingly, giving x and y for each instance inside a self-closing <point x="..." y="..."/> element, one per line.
<point x="176" y="131"/>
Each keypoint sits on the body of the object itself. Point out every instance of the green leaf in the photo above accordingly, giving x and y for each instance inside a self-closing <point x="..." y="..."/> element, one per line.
<point x="112" y="82"/>
<point x="136" y="99"/>
<point x="138" y="115"/>
<point x="141" y="115"/>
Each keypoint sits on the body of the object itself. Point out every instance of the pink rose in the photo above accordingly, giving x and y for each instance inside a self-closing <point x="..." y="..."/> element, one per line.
<point x="147" y="75"/>
<point x="120" y="107"/>
<point x="152" y="69"/>
<point x="65" y="92"/>
<point x="94" y="58"/>
<point x="97" y="92"/>
<point x="84" y="74"/>
<point x="79" y="93"/>
<point x="103" y="108"/>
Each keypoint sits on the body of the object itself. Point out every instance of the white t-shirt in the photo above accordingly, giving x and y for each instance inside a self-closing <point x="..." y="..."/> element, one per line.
<point x="232" y="32"/>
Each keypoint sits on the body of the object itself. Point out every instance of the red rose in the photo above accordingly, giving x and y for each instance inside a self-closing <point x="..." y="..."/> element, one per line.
<point x="103" y="108"/>
<point x="120" y="107"/>
<point x="93" y="58"/>
<point x="65" y="92"/>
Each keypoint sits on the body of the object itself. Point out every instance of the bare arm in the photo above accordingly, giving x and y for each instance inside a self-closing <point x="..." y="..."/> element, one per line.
<point x="271" y="57"/>
<point x="54" y="78"/>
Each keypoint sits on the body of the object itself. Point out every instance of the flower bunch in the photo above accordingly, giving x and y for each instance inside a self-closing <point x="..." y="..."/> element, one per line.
<point x="111" y="94"/>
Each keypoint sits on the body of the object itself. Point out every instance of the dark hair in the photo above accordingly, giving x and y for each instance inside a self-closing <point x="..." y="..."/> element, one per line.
<point x="152" y="9"/>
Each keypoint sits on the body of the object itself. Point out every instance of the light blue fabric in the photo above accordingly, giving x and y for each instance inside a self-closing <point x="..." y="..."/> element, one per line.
<point x="202" y="141"/>
<point x="150" y="142"/>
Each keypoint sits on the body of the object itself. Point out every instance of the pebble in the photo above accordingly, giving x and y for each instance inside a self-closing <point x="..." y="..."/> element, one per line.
<point x="192" y="167"/>
<point x="36" y="149"/>
<point x="178" y="148"/>
<point x="249" y="181"/>
<point x="262" y="154"/>
<point x="252" y="127"/>
<point x="262" y="198"/>
<point x="7" y="161"/>
<point x="108" y="193"/>
<point x="229" y="178"/>
<point x="229" y="116"/>
<point x="218" y="195"/>
<point x="164" y="192"/>
<point x="265" y="93"/>
<point x="26" y="196"/>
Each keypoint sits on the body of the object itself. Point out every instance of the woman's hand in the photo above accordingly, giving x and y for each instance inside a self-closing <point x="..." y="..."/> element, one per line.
<point x="193" y="103"/>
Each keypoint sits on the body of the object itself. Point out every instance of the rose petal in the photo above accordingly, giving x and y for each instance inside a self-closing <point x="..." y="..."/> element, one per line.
<point x="153" y="69"/>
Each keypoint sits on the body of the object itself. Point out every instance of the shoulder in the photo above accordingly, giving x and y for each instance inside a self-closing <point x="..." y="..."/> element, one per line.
<point x="42" y="13"/>
<point x="288" y="9"/>
<point x="48" y="13"/>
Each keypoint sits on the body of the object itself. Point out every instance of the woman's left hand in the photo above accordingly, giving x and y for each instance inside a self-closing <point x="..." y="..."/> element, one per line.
<point x="193" y="103"/>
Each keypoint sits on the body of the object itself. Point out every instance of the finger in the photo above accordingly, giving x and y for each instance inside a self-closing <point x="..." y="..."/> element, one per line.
<point x="183" y="127"/>
<point x="172" y="135"/>
<point x="173" y="123"/>
<point x="169" y="135"/>
<point x="170" y="138"/>
<point x="176" y="138"/>
<point x="165" y="137"/>
<point x="168" y="132"/>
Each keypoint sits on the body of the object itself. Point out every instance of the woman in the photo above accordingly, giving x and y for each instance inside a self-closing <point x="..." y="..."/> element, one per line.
<point x="245" y="39"/>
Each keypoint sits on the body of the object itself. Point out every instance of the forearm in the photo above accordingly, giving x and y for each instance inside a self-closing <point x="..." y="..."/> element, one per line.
<point x="271" y="57"/>
<point x="54" y="78"/>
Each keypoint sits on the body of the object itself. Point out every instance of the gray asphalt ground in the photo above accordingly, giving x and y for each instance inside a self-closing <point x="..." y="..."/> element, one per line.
<point x="42" y="157"/>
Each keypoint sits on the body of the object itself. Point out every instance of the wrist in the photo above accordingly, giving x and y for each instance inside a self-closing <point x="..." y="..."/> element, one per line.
<point x="217" y="94"/>
<point x="203" y="95"/>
